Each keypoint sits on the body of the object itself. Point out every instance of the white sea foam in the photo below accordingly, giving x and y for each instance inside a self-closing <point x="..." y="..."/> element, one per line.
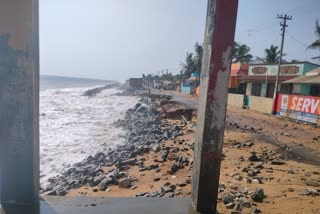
<point x="73" y="126"/>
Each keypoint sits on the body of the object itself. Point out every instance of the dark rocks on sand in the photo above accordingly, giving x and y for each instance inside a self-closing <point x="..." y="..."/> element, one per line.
<point x="311" y="182"/>
<point x="125" y="183"/>
<point x="227" y="198"/>
<point x="277" y="162"/>
<point x="254" y="158"/>
<point x="258" y="195"/>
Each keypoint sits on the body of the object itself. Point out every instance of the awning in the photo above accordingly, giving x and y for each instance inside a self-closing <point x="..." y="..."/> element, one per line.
<point x="305" y="79"/>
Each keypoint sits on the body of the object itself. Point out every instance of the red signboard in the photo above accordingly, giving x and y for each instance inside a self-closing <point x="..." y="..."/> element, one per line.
<point x="305" y="108"/>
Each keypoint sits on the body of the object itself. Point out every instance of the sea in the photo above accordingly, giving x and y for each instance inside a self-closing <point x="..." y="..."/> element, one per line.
<point x="73" y="126"/>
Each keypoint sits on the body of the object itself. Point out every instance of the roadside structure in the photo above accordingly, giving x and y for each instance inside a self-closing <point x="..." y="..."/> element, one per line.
<point x="134" y="84"/>
<point x="189" y="86"/>
<point x="261" y="78"/>
<point x="308" y="84"/>
<point x="238" y="70"/>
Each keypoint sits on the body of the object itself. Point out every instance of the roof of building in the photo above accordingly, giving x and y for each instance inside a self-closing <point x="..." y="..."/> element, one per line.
<point x="313" y="72"/>
<point x="315" y="79"/>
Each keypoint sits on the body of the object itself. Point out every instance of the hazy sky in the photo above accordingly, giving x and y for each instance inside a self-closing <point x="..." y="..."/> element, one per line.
<point x="118" y="39"/>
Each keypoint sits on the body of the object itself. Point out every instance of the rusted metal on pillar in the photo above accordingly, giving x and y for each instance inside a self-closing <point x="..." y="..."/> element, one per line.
<point x="218" y="44"/>
<point x="19" y="102"/>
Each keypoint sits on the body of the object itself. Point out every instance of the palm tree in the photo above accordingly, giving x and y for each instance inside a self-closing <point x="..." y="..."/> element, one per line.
<point x="316" y="44"/>
<point x="199" y="52"/>
<point x="272" y="54"/>
<point x="189" y="66"/>
<point x="240" y="53"/>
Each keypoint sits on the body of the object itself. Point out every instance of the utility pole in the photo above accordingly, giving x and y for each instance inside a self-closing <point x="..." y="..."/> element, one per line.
<point x="283" y="25"/>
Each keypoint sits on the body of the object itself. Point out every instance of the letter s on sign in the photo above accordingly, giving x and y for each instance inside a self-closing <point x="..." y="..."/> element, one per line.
<point x="293" y="103"/>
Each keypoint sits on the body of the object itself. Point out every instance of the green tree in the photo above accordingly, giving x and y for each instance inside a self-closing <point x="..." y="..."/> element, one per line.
<point x="272" y="54"/>
<point x="316" y="44"/>
<point x="198" y="57"/>
<point x="241" y="53"/>
<point x="189" y="66"/>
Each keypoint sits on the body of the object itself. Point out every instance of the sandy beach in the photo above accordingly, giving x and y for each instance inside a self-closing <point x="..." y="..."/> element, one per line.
<point x="260" y="151"/>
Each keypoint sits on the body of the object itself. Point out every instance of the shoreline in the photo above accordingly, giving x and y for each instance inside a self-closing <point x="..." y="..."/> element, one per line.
<point x="251" y="163"/>
<point x="140" y="123"/>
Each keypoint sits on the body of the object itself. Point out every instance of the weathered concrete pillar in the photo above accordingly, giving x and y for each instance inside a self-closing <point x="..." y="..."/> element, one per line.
<point x="19" y="101"/>
<point x="218" y="44"/>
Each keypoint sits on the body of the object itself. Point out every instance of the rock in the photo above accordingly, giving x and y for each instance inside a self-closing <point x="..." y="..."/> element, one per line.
<point x="175" y="167"/>
<point x="96" y="181"/>
<point x="156" y="148"/>
<point x="175" y="150"/>
<point x="157" y="176"/>
<point x="51" y="193"/>
<point x="238" y="177"/>
<point x="134" y="187"/>
<point x="311" y="182"/>
<point x="141" y="194"/>
<point x="61" y="192"/>
<point x="125" y="183"/>
<point x="181" y="184"/>
<point x="277" y="162"/>
<point x="104" y="183"/>
<point x="167" y="189"/>
<point x="230" y="205"/>
<point x="246" y="204"/>
<point x="131" y="161"/>
<point x="170" y="195"/>
<point x="137" y="106"/>
<point x="227" y="198"/>
<point x="256" y="210"/>
<point x="254" y="158"/>
<point x="154" y="194"/>
<point x="258" y="195"/>
<point x="159" y="160"/>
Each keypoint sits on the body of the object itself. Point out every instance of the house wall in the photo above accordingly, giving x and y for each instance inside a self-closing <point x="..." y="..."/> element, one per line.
<point x="308" y="67"/>
<point x="303" y="89"/>
<point x="273" y="69"/>
<point x="185" y="89"/>
<point x="261" y="104"/>
<point x="235" y="99"/>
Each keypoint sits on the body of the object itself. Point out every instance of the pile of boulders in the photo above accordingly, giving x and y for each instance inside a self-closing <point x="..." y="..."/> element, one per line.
<point x="145" y="131"/>
<point x="239" y="198"/>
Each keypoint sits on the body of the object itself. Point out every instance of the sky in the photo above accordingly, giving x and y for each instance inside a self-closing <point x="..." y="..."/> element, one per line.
<point x="119" y="39"/>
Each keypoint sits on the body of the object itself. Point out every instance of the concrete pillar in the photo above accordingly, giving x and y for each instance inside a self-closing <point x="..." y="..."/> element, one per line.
<point x="263" y="90"/>
<point x="218" y="44"/>
<point x="19" y="102"/>
<point x="249" y="88"/>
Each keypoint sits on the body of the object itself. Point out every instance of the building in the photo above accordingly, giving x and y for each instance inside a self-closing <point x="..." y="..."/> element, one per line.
<point x="134" y="84"/>
<point x="238" y="70"/>
<point x="189" y="86"/>
<point x="261" y="78"/>
<point x="308" y="85"/>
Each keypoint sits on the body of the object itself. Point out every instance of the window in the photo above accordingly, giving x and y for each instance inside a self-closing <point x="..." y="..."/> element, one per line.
<point x="285" y="88"/>
<point x="256" y="89"/>
<point x="315" y="90"/>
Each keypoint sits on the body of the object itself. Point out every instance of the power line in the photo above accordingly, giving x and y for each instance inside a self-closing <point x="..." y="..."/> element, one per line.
<point x="292" y="37"/>
<point x="300" y="10"/>
<point x="276" y="39"/>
